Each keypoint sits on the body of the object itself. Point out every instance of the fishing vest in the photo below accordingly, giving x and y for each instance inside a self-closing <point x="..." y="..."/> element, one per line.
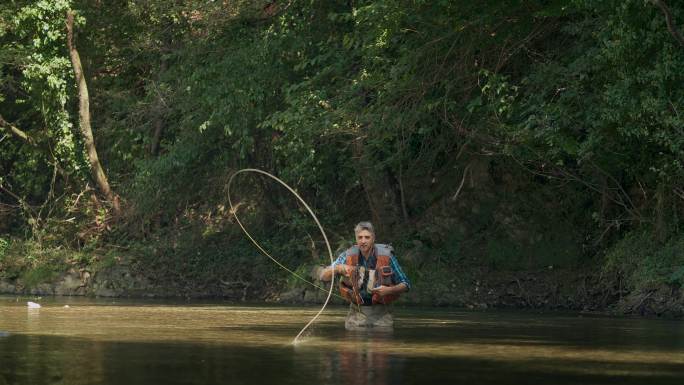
<point x="381" y="275"/>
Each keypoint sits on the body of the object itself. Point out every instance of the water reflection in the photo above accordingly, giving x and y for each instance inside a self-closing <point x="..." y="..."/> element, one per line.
<point x="32" y="319"/>
<point x="368" y="362"/>
<point x="362" y="359"/>
<point x="158" y="343"/>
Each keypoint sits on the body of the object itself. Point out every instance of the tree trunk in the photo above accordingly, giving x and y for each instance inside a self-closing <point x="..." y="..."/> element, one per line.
<point x="661" y="217"/>
<point x="160" y="108"/>
<point x="156" y="136"/>
<point x="84" y="118"/>
<point x="379" y="192"/>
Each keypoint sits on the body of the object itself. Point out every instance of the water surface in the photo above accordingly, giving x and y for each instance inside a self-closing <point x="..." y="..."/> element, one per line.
<point x="154" y="342"/>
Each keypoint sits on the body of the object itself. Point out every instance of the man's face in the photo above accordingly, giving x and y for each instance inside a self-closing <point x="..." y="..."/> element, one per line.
<point x="364" y="240"/>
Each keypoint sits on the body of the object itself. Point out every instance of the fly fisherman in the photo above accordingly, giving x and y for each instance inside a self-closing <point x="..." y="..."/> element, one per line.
<point x="371" y="279"/>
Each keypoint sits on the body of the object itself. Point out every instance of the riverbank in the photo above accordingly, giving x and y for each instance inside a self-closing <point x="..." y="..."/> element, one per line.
<point x="547" y="289"/>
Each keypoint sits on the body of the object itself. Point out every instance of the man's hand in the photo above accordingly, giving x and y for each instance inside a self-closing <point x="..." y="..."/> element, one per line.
<point x="383" y="290"/>
<point x="326" y="274"/>
<point x="386" y="290"/>
<point x="344" y="270"/>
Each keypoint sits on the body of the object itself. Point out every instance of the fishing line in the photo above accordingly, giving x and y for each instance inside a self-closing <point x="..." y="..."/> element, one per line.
<point x="233" y="210"/>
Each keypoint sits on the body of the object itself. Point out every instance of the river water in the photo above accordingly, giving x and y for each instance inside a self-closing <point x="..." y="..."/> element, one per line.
<point x="152" y="342"/>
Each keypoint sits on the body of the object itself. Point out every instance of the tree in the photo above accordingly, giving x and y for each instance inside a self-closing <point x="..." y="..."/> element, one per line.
<point x="36" y="46"/>
<point x="84" y="117"/>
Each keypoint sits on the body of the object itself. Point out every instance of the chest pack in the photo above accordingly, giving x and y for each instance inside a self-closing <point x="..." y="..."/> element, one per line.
<point x="374" y="272"/>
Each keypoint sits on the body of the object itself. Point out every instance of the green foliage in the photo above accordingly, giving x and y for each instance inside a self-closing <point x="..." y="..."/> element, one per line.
<point x="602" y="107"/>
<point x="403" y="79"/>
<point x="32" y="263"/>
<point x="106" y="262"/>
<point x="162" y="183"/>
<point x="514" y="135"/>
<point x="35" y="276"/>
<point x="36" y="88"/>
<point x="4" y="244"/>
<point x="644" y="263"/>
<point x="38" y="44"/>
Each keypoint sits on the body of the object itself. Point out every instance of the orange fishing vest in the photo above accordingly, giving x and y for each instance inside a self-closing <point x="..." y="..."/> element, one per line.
<point x="383" y="271"/>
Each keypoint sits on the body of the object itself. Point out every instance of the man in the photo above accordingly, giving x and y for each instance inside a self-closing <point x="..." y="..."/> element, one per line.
<point x="371" y="279"/>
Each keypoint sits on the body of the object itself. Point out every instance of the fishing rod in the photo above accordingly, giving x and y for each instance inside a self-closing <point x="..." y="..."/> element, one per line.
<point x="233" y="210"/>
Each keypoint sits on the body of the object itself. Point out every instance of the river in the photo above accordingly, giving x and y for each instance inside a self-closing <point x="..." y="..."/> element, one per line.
<point x="75" y="341"/>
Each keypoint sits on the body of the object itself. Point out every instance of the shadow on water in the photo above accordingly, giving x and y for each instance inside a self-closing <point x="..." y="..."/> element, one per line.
<point x="522" y="328"/>
<point x="509" y="329"/>
<point x="39" y="360"/>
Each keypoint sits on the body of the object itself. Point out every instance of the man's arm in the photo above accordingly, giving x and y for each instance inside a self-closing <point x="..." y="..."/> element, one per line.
<point x="387" y="290"/>
<point x="327" y="273"/>
<point x="338" y="267"/>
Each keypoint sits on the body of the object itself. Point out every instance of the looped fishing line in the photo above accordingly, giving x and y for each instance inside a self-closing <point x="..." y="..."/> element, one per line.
<point x="233" y="209"/>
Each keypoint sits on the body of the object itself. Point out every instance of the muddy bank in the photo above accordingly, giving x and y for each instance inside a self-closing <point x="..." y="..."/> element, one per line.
<point x="584" y="291"/>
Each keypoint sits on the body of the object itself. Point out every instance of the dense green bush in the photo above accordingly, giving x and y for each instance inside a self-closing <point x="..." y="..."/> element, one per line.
<point x="502" y="134"/>
<point x="644" y="263"/>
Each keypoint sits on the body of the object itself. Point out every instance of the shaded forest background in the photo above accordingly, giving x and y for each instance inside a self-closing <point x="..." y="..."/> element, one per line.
<point x="505" y="148"/>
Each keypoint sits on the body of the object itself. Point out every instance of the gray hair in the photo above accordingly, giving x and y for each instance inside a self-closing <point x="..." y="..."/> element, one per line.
<point x="364" y="226"/>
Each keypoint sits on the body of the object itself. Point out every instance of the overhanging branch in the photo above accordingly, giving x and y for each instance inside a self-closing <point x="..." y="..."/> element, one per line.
<point x="668" y="20"/>
<point x="16" y="131"/>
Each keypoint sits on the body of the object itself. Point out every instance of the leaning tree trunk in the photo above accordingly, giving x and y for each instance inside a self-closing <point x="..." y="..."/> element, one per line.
<point x="380" y="195"/>
<point x="84" y="118"/>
